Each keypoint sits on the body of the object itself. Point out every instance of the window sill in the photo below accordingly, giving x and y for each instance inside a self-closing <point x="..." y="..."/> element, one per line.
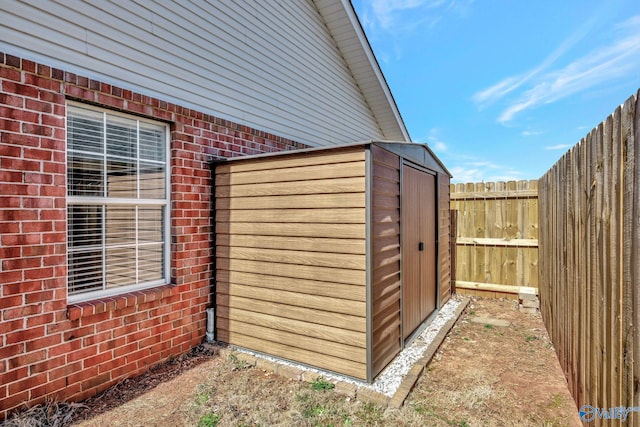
<point x="117" y="302"/>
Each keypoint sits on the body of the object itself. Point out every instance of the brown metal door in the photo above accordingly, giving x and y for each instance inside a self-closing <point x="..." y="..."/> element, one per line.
<point x="418" y="248"/>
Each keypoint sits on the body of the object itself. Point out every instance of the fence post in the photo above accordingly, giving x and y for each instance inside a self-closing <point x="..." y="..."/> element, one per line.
<point x="453" y="231"/>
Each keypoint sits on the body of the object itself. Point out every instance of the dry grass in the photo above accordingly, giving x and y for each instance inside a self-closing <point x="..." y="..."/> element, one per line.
<point x="480" y="377"/>
<point x="49" y="414"/>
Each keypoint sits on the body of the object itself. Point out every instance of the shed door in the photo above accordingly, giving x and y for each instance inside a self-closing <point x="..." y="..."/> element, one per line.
<point x="418" y="248"/>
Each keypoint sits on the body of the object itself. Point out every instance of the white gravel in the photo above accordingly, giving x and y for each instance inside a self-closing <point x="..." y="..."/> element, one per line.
<point x="389" y="380"/>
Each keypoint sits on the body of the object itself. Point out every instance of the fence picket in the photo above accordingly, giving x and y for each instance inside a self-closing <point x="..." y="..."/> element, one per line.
<point x="589" y="205"/>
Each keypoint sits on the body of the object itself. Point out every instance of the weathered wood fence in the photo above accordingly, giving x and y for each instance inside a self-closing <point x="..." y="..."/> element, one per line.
<point x="497" y="237"/>
<point x="590" y="262"/>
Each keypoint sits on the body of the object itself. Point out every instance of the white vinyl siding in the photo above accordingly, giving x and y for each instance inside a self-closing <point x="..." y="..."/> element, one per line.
<point x="117" y="203"/>
<point x="273" y="65"/>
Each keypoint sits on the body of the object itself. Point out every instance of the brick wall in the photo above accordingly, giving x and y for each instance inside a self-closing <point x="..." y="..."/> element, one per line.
<point x="48" y="348"/>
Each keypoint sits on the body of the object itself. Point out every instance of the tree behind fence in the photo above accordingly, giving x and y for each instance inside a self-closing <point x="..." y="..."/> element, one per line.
<point x="590" y="264"/>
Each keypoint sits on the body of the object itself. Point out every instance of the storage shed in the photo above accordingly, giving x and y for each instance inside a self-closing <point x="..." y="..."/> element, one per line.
<point x="331" y="257"/>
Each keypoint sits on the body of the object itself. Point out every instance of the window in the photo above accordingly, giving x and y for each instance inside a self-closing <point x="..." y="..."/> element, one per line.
<point x="117" y="203"/>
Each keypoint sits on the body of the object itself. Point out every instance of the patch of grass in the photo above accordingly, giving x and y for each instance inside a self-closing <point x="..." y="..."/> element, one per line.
<point x="203" y="394"/>
<point x="209" y="420"/>
<point x="321" y="384"/>
<point x="370" y="414"/>
<point x="488" y="326"/>
<point x="430" y="413"/>
<point x="530" y="338"/>
<point x="555" y="402"/>
<point x="322" y="409"/>
<point x="238" y="364"/>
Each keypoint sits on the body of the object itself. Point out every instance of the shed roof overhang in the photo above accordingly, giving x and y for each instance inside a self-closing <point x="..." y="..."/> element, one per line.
<point x="420" y="154"/>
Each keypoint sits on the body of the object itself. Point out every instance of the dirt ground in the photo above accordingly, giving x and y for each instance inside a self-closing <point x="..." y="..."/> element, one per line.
<point x="482" y="375"/>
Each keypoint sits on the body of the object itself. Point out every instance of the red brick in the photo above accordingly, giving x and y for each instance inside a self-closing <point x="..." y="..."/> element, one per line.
<point x="43" y="342"/>
<point x="109" y="324"/>
<point x="58" y="327"/>
<point x="37" y="153"/>
<point x="54" y="237"/>
<point x="15" y="400"/>
<point x="38" y="273"/>
<point x="111" y="344"/>
<point x="46" y="365"/>
<point x="95" y="380"/>
<point x="17" y="214"/>
<point x="79" y="332"/>
<point x="27" y="383"/>
<point x="24" y="335"/>
<point x="57" y="74"/>
<point x="137" y="336"/>
<point x="12" y="100"/>
<point x="52" y="191"/>
<point x="149" y="360"/>
<point x="82" y="354"/>
<point x="52" y="387"/>
<point x="11" y="301"/>
<point x="64" y="371"/>
<point x="94" y="319"/>
<point x="43" y="107"/>
<point x="10" y="228"/>
<point x="21" y="312"/>
<point x="22" y="287"/>
<point x="64" y="348"/>
<point x="8" y="351"/>
<point x="127" y="349"/>
<point x="96" y="360"/>
<point x="44" y="319"/>
<point x="23" y="360"/>
<point x="54" y="260"/>
<point x="83" y="375"/>
<point x="111" y="365"/>
<point x="37" y="202"/>
<point x="97" y="338"/>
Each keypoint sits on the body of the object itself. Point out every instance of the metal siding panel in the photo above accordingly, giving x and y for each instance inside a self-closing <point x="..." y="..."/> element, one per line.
<point x="275" y="68"/>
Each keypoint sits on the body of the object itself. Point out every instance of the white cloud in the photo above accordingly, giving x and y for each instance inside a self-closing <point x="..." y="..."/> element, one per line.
<point x="439" y="146"/>
<point x="558" y="147"/>
<point x="543" y="85"/>
<point x="483" y="171"/>
<point x="510" y="84"/>
<point x="387" y="11"/>
<point x="531" y="133"/>
<point x="433" y="141"/>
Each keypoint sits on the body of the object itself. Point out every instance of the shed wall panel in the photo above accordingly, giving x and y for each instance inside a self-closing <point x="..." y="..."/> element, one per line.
<point x="291" y="268"/>
<point x="444" y="236"/>
<point x="386" y="337"/>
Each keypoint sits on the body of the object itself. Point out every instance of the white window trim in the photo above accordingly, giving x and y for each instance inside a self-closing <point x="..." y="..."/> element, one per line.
<point x="166" y="202"/>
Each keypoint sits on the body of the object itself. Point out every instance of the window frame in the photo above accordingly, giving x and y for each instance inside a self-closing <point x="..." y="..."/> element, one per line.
<point x="105" y="200"/>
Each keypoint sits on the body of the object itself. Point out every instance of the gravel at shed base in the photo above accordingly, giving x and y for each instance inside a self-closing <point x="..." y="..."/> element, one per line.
<point x="389" y="380"/>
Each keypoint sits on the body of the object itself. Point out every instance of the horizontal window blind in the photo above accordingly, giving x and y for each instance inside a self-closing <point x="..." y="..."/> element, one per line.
<point x="117" y="203"/>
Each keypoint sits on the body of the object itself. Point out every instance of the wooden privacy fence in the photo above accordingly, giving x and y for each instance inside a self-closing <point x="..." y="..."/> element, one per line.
<point x="497" y="237"/>
<point x="590" y="264"/>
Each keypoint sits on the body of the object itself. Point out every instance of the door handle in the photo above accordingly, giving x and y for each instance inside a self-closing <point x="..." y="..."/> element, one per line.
<point x="421" y="246"/>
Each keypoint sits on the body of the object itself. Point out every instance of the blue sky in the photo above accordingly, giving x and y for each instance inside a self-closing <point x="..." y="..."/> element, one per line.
<point x="500" y="90"/>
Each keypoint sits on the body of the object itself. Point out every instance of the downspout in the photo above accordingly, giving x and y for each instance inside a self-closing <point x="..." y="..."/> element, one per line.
<point x="211" y="311"/>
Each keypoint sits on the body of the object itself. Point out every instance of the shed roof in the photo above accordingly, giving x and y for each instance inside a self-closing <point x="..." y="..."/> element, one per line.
<point x="420" y="154"/>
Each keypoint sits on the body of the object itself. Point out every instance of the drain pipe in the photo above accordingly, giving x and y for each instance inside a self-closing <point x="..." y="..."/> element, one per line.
<point x="211" y="312"/>
<point x="211" y="324"/>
